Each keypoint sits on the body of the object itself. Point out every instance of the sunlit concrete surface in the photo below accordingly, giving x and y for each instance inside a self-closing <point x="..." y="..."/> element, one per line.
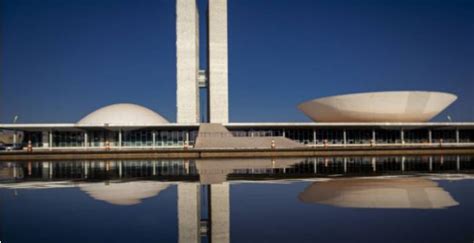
<point x="217" y="136"/>
<point x="187" y="61"/>
<point x="218" y="62"/>
<point x="123" y="114"/>
<point x="394" y="106"/>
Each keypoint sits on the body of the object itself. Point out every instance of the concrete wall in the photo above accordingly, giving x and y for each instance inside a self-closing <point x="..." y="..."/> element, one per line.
<point x="187" y="61"/>
<point x="218" y="62"/>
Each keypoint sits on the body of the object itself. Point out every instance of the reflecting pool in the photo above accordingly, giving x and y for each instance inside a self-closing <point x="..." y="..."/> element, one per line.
<point x="322" y="199"/>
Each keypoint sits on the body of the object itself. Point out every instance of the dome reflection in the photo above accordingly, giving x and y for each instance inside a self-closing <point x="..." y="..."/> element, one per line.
<point x="123" y="193"/>
<point x="414" y="193"/>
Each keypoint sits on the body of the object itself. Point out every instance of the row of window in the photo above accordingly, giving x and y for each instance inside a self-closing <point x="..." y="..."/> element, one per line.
<point x="107" y="169"/>
<point x="363" y="136"/>
<point x="167" y="138"/>
<point x="136" y="138"/>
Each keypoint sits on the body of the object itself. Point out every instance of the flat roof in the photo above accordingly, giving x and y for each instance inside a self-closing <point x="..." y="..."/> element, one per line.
<point x="336" y="124"/>
<point x="78" y="127"/>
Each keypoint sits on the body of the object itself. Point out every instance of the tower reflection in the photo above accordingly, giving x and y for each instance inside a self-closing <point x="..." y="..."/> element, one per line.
<point x="214" y="223"/>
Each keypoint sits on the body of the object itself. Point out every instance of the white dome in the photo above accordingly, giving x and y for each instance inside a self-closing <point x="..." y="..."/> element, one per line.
<point x="123" y="114"/>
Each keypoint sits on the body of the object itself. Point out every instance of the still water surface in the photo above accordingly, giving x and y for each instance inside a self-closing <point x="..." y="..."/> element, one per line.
<point x="333" y="199"/>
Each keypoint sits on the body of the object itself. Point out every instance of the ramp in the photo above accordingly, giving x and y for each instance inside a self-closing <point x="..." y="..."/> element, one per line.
<point x="216" y="136"/>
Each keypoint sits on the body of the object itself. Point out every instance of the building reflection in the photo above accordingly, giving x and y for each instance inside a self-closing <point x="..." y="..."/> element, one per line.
<point x="196" y="180"/>
<point x="215" y="171"/>
<point x="412" y="192"/>
<point x="203" y="186"/>
<point x="123" y="193"/>
<point x="214" y="222"/>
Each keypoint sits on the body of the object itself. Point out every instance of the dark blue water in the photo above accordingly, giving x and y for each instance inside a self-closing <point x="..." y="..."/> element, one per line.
<point x="263" y="201"/>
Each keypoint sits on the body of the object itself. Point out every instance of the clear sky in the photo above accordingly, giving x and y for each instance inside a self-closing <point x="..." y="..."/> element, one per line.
<point x="61" y="59"/>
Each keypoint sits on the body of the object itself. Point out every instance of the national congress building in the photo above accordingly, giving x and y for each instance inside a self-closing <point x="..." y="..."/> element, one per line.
<point x="378" y="118"/>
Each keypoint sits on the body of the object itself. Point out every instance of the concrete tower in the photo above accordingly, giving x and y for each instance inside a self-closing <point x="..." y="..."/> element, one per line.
<point x="189" y="77"/>
<point x="218" y="64"/>
<point x="187" y="61"/>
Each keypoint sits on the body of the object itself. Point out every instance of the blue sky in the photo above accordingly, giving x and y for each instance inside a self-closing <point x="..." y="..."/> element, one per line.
<point x="61" y="59"/>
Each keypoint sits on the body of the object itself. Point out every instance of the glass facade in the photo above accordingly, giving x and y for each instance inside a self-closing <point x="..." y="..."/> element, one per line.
<point x="68" y="139"/>
<point x="385" y="136"/>
<point x="177" y="137"/>
<point x="158" y="138"/>
<point x="359" y="136"/>
<point x="305" y="136"/>
<point x="444" y="136"/>
<point x="101" y="138"/>
<point x="416" y="136"/>
<point x="140" y="138"/>
<point x="35" y="138"/>
<point x="466" y="136"/>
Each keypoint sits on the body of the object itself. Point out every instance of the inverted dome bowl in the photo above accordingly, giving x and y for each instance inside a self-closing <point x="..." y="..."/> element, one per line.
<point x="393" y="106"/>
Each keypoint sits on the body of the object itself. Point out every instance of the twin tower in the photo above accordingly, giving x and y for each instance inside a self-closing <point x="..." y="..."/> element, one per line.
<point x="190" y="78"/>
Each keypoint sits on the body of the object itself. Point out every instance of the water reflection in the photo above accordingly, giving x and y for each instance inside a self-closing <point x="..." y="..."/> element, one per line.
<point x="418" y="193"/>
<point x="216" y="171"/>
<point x="203" y="186"/>
<point x="124" y="193"/>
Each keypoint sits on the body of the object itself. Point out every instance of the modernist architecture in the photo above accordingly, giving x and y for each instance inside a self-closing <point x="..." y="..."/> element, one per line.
<point x="367" y="119"/>
<point x="395" y="106"/>
<point x="189" y="75"/>
<point x="187" y="62"/>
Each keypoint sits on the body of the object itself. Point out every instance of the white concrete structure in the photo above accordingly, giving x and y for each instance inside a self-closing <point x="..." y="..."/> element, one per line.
<point x="218" y="62"/>
<point x="189" y="76"/>
<point x="394" y="106"/>
<point x="123" y="114"/>
<point x="217" y="136"/>
<point x="187" y="61"/>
